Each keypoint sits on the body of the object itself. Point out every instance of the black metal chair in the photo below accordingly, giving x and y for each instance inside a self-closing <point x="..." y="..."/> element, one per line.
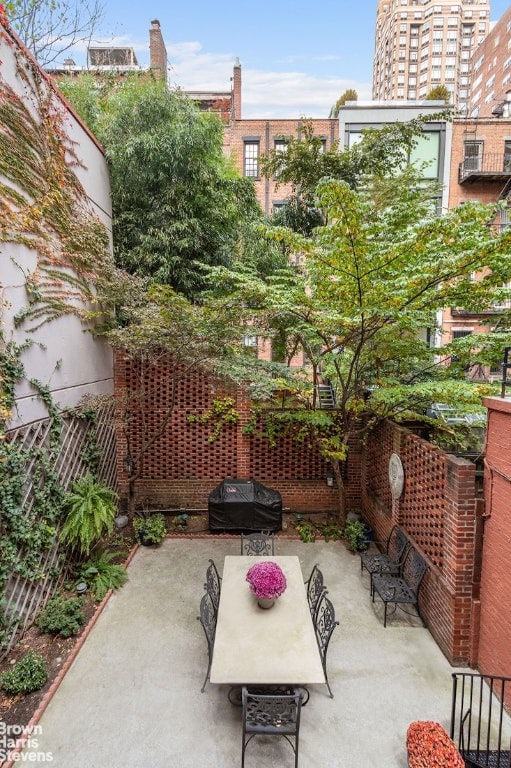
<point x="207" y="618"/>
<point x="213" y="584"/>
<point x="258" y="543"/>
<point x="403" y="589"/>
<point x="324" y="625"/>
<point x="271" y="714"/>
<point x="391" y="559"/>
<point x="315" y="588"/>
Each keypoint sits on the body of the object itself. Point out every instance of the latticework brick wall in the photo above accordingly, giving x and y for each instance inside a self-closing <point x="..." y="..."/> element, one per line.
<point x="184" y="465"/>
<point x="438" y="509"/>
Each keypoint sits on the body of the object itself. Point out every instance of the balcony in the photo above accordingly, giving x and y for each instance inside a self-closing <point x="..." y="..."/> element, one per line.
<point x="490" y="166"/>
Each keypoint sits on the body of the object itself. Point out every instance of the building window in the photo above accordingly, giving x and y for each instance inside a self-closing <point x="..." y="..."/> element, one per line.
<point x="251" y="158"/>
<point x="507" y="157"/>
<point x="250" y="341"/>
<point x="280" y="145"/>
<point x="473" y="155"/>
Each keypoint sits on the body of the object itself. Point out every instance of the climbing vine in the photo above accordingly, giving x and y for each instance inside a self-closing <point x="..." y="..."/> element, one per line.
<point x="28" y="529"/>
<point x="44" y="209"/>
<point x="43" y="205"/>
<point x="222" y="412"/>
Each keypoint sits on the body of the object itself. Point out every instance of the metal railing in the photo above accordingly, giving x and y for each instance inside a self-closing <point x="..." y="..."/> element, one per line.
<point x="480" y="724"/>
<point x="488" y="163"/>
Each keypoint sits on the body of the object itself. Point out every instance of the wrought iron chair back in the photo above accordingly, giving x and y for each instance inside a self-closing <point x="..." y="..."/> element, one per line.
<point x="404" y="589"/>
<point x="258" y="543"/>
<point x="391" y="559"/>
<point x="414" y="569"/>
<point x="207" y="617"/>
<point x="315" y="588"/>
<point x="324" y="625"/>
<point x="271" y="714"/>
<point x="213" y="584"/>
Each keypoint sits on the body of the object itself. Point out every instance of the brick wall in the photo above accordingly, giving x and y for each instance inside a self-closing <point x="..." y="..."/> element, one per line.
<point x="266" y="131"/>
<point x="184" y="465"/>
<point x="439" y="512"/>
<point x="493" y="133"/>
<point x="495" y="634"/>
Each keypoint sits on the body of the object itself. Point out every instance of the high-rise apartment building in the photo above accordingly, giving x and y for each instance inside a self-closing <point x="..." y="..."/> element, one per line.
<point x="420" y="44"/>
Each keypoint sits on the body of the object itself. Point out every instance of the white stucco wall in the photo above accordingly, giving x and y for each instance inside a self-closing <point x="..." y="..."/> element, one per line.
<point x="64" y="355"/>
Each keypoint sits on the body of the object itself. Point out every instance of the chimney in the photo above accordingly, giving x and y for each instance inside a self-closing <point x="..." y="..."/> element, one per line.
<point x="236" y="90"/>
<point x="157" y="51"/>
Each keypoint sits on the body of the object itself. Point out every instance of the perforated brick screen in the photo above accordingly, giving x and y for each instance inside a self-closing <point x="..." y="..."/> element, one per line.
<point x="287" y="460"/>
<point x="422" y="509"/>
<point x="183" y="450"/>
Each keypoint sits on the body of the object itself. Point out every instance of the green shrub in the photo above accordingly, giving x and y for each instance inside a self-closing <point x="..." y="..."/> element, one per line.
<point x="91" y="508"/>
<point x="152" y="526"/>
<point x="62" y="616"/>
<point x="28" y="674"/>
<point x="102" y="575"/>
<point x="355" y="534"/>
<point x="306" y="531"/>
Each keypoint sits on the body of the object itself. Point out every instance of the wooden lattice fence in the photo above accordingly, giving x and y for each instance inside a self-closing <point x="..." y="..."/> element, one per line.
<point x="24" y="598"/>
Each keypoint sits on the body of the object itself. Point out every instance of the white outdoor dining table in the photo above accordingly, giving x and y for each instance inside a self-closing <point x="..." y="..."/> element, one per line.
<point x="264" y="646"/>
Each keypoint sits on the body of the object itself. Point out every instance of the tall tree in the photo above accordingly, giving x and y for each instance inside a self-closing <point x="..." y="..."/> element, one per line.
<point x="372" y="281"/>
<point x="52" y="28"/>
<point x="177" y="200"/>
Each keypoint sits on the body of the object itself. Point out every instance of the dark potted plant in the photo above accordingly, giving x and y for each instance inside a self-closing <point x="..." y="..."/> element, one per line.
<point x="151" y="529"/>
<point x="356" y="535"/>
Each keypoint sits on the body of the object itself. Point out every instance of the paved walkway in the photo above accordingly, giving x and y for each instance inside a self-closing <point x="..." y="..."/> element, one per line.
<point x="132" y="696"/>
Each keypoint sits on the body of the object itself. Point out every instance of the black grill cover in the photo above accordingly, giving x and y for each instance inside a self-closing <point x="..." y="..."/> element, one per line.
<point x="244" y="505"/>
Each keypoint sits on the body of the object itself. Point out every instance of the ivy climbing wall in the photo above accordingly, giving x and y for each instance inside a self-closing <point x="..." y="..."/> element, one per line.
<point x="54" y="237"/>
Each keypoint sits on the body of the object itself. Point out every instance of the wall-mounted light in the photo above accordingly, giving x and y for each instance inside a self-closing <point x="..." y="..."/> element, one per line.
<point x="129" y="464"/>
<point x="330" y="479"/>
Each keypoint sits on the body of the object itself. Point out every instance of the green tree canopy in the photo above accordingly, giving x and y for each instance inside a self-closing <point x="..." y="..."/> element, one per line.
<point x="439" y="93"/>
<point x="373" y="279"/>
<point x="349" y="95"/>
<point x="178" y="202"/>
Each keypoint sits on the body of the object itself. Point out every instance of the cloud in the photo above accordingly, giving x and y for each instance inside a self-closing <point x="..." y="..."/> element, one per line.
<point x="265" y="94"/>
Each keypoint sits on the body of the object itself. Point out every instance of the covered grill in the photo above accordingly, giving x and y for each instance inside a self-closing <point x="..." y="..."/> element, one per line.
<point x="244" y="505"/>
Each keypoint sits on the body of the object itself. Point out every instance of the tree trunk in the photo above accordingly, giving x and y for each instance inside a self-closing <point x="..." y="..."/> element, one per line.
<point x="341" y="490"/>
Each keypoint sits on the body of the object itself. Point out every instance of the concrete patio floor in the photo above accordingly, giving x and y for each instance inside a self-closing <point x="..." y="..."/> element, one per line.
<point x="132" y="696"/>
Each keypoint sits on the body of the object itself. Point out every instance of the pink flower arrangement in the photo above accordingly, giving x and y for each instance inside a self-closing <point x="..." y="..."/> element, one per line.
<point x="266" y="580"/>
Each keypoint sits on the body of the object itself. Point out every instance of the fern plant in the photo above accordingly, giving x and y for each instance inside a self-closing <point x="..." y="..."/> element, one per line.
<point x="101" y="574"/>
<point x="91" y="508"/>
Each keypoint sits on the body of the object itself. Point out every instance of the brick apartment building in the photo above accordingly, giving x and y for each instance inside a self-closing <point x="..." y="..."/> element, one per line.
<point x="490" y="88"/>
<point x="480" y="170"/>
<point x="245" y="140"/>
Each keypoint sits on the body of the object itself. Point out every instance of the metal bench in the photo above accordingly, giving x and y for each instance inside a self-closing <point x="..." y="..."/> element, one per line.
<point x="402" y="589"/>
<point x="390" y="557"/>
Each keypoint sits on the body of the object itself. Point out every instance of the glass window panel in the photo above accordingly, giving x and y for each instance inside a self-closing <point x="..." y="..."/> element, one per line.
<point x="426" y="154"/>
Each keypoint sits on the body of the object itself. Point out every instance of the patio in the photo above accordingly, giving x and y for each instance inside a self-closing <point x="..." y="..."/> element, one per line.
<point x="132" y="697"/>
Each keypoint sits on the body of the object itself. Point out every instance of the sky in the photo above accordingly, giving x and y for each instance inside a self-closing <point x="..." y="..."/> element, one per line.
<point x="296" y="59"/>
